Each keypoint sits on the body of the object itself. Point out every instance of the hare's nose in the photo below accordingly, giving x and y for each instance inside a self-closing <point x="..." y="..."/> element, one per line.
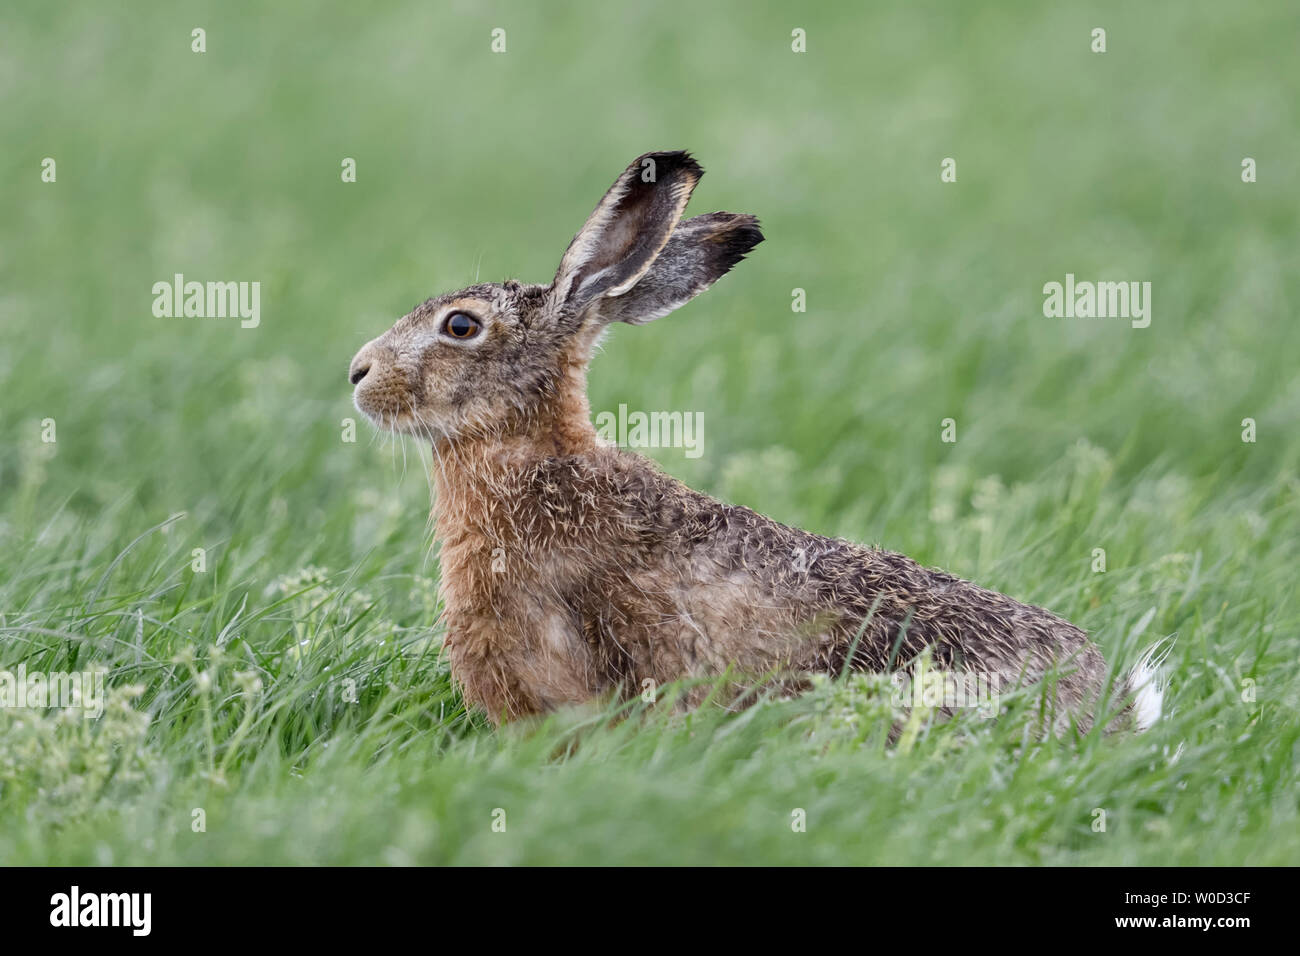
<point x="361" y="363"/>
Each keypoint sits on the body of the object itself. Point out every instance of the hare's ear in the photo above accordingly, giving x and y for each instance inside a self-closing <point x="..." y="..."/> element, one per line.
<point x="701" y="251"/>
<point x="627" y="230"/>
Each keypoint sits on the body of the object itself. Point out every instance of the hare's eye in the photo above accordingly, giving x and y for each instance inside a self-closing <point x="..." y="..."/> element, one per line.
<point x="460" y="325"/>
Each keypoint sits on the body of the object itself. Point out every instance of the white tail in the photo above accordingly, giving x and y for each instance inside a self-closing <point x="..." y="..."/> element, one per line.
<point x="1146" y="687"/>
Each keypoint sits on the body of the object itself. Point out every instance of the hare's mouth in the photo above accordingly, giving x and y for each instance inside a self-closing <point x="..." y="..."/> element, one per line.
<point x="385" y="412"/>
<point x="400" y="421"/>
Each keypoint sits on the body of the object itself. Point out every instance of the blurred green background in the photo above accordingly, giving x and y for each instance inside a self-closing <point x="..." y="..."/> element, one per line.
<point x="924" y="302"/>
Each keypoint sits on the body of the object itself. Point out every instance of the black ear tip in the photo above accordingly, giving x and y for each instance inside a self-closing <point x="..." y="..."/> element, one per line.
<point x="750" y="232"/>
<point x="742" y="241"/>
<point x="671" y="161"/>
<point x="741" y="233"/>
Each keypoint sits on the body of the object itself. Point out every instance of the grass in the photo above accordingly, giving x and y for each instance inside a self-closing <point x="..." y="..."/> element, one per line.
<point x="229" y="686"/>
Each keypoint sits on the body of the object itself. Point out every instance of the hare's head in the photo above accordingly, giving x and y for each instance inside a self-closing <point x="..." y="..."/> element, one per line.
<point x="498" y="358"/>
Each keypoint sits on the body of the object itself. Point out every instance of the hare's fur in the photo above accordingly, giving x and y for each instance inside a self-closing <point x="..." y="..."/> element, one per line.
<point x="571" y="568"/>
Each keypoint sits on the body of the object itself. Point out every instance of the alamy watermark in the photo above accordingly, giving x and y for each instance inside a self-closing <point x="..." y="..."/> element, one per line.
<point x="955" y="690"/>
<point x="38" y="690"/>
<point x="133" y="911"/>
<point x="1098" y="300"/>
<point x="653" y="430"/>
<point x="208" y="300"/>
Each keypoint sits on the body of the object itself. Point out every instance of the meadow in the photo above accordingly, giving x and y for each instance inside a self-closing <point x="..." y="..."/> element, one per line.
<point x="181" y="508"/>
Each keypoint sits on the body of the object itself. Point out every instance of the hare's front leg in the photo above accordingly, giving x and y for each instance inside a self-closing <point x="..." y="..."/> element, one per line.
<point x="521" y="662"/>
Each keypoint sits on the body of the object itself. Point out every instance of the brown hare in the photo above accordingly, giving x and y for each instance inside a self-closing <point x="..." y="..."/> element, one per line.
<point x="572" y="568"/>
